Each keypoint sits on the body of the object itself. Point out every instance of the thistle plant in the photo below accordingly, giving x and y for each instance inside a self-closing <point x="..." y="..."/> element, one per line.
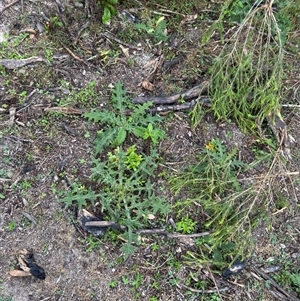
<point x="119" y="122"/>
<point x="121" y="179"/>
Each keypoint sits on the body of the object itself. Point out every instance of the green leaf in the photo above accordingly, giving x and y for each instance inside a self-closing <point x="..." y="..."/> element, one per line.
<point x="112" y="9"/>
<point x="141" y="110"/>
<point x="93" y="116"/>
<point x="106" y="15"/>
<point x="139" y="131"/>
<point x="68" y="200"/>
<point x="141" y="26"/>
<point x="159" y="205"/>
<point x="113" y="2"/>
<point x="128" y="249"/>
<point x="295" y="278"/>
<point x="120" y="137"/>
<point x="104" y="139"/>
<point x="102" y="116"/>
<point x="150" y="128"/>
<point x="98" y="168"/>
<point x="80" y="198"/>
<point x="118" y="97"/>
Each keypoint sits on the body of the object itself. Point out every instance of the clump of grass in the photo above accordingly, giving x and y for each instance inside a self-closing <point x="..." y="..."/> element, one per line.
<point x="232" y="208"/>
<point x="246" y="85"/>
<point x="231" y="205"/>
<point x="246" y="78"/>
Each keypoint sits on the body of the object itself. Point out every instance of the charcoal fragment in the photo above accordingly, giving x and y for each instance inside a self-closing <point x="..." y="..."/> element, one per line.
<point x="28" y="168"/>
<point x="234" y="269"/>
<point x="37" y="271"/>
<point x="34" y="269"/>
<point x="91" y="217"/>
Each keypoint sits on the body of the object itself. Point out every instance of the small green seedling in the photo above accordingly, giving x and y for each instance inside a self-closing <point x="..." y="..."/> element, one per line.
<point x="186" y="225"/>
<point x="11" y="226"/>
<point x="92" y="243"/>
<point x="150" y="133"/>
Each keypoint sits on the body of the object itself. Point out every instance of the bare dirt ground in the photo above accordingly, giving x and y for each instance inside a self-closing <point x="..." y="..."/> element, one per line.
<point x="37" y="144"/>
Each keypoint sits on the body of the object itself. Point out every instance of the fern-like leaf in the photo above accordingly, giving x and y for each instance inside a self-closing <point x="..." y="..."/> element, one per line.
<point x="102" y="116"/>
<point x="118" y="97"/>
<point x="80" y="198"/>
<point x="104" y="139"/>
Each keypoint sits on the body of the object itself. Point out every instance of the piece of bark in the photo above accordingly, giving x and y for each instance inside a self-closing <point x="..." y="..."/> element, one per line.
<point x="186" y="95"/>
<point x="187" y="105"/>
<point x="27" y="263"/>
<point x="104" y="224"/>
<point x="12" y="63"/>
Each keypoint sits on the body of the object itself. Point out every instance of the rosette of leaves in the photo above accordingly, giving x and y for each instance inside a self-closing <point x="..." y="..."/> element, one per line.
<point x="118" y="122"/>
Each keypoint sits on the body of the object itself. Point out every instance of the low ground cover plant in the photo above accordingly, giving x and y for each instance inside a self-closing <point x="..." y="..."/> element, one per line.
<point x="121" y="173"/>
<point x="229" y="205"/>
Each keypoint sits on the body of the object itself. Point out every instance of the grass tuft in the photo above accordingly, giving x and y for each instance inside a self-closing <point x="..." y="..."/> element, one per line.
<point x="246" y="79"/>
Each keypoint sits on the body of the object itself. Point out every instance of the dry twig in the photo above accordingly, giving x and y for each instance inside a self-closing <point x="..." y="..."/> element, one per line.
<point x="108" y="35"/>
<point x="81" y="60"/>
<point x="8" y="6"/>
<point x="185" y="95"/>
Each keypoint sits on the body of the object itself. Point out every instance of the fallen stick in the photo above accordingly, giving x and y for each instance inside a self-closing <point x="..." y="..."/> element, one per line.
<point x="211" y="291"/>
<point x="82" y="60"/>
<point x="275" y="285"/>
<point x="13" y="64"/>
<point x="186" y="95"/>
<point x="162" y="231"/>
<point x="187" y="105"/>
<point x="108" y="35"/>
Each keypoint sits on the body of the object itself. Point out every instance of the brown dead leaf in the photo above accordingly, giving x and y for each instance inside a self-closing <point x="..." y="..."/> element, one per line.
<point x="188" y="18"/>
<point x="150" y="63"/>
<point x="29" y="30"/>
<point x="18" y="273"/>
<point x="22" y="261"/>
<point x="151" y="216"/>
<point x="125" y="50"/>
<point x="147" y="85"/>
